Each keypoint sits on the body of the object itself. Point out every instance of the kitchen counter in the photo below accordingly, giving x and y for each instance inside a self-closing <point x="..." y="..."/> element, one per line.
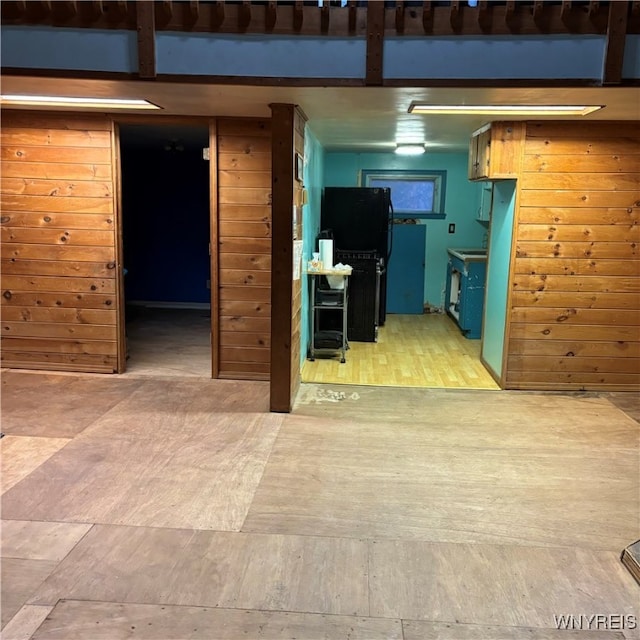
<point x="469" y="254"/>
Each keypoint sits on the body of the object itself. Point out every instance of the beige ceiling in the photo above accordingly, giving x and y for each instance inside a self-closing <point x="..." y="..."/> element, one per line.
<point x="350" y="119"/>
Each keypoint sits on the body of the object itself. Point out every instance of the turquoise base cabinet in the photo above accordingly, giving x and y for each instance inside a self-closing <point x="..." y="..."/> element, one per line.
<point x="464" y="294"/>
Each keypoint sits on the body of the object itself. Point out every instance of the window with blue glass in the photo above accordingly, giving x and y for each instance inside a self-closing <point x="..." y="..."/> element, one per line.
<point x="414" y="194"/>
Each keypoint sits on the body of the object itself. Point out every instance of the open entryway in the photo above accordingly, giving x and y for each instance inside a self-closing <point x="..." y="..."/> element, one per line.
<point x="165" y="246"/>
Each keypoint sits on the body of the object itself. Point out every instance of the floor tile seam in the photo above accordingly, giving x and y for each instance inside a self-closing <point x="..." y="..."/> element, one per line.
<point x="376" y="539"/>
<point x="262" y="472"/>
<point x="27" y="604"/>
<point x="224" y="608"/>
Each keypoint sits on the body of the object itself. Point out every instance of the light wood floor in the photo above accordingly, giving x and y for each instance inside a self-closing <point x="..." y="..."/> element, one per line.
<point x="412" y="351"/>
<point x="175" y="508"/>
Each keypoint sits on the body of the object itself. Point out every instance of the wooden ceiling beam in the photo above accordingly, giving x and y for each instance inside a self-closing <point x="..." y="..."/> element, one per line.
<point x="427" y="16"/>
<point x="271" y="15"/>
<point x="375" y="39"/>
<point x="146" y="27"/>
<point x="455" y="16"/>
<point x="484" y="16"/>
<point x="217" y="15"/>
<point x="565" y="13"/>
<point x="616" y="37"/>
<point x="324" y="18"/>
<point x="353" y="13"/>
<point x="244" y="16"/>
<point x="594" y="8"/>
<point x="399" y="16"/>
<point x="164" y="12"/>
<point x="298" y="15"/>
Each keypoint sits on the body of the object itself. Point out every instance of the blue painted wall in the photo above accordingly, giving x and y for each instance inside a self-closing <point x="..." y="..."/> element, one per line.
<point x="313" y="176"/>
<point x="497" y="57"/>
<point x="461" y="203"/>
<point x="165" y="212"/>
<point x="495" y="304"/>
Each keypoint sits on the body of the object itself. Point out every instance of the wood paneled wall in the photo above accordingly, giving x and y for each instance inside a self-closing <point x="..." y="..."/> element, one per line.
<point x="59" y="256"/>
<point x="244" y="246"/>
<point x="575" y="287"/>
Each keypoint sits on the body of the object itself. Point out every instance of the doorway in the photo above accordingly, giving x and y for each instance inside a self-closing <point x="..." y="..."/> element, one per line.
<point x="165" y="247"/>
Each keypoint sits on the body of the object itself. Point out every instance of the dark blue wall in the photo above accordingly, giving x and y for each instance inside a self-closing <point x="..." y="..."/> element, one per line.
<point x="165" y="198"/>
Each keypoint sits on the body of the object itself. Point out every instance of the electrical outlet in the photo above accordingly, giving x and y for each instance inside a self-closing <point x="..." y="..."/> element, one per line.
<point x="452" y="228"/>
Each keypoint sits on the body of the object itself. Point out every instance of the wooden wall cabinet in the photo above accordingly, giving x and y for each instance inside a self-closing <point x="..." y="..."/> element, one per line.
<point x="495" y="150"/>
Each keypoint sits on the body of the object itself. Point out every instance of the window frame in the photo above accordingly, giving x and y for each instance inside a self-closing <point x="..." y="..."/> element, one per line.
<point x="438" y="177"/>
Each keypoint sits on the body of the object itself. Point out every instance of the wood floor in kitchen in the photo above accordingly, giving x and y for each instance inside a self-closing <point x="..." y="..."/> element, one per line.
<point x="412" y="351"/>
<point x="178" y="507"/>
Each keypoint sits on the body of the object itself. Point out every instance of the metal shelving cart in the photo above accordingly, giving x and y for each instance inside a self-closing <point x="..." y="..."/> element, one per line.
<point x="328" y="299"/>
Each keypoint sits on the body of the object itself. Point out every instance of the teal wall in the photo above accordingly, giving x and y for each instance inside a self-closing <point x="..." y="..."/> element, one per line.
<point x="314" y="160"/>
<point x="461" y="205"/>
<point x="495" y="303"/>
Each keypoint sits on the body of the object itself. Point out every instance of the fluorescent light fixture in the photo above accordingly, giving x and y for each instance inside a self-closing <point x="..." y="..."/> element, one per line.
<point x="85" y="103"/>
<point x="410" y="149"/>
<point x="503" y="109"/>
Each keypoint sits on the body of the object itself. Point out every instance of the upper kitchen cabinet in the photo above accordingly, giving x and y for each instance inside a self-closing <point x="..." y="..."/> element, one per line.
<point x="495" y="150"/>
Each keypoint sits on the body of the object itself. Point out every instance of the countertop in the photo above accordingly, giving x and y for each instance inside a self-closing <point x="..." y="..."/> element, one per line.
<point x="469" y="254"/>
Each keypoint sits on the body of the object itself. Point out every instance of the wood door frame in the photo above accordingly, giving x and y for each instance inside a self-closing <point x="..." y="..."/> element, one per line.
<point x="160" y="120"/>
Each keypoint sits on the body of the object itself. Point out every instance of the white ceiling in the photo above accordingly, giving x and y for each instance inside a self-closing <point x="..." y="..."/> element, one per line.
<point x="344" y="118"/>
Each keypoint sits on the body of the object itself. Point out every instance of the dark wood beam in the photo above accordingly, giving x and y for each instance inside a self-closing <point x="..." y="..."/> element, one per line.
<point x="399" y="16"/>
<point x="594" y="7"/>
<point x="217" y="15"/>
<point x="614" y="47"/>
<point x="375" y="36"/>
<point x="282" y="177"/>
<point x="190" y="13"/>
<point x="427" y="16"/>
<point x="455" y="16"/>
<point x="298" y="15"/>
<point x="164" y="12"/>
<point x="324" y="18"/>
<point x="565" y="13"/>
<point x="244" y="16"/>
<point x="145" y="16"/>
<point x="510" y="15"/>
<point x="271" y="15"/>
<point x="484" y="16"/>
<point x="540" y="16"/>
<point x="97" y="8"/>
<point x="353" y="13"/>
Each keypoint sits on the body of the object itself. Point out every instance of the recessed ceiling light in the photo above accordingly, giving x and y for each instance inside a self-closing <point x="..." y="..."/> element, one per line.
<point x="85" y="103"/>
<point x="503" y="110"/>
<point x="410" y="149"/>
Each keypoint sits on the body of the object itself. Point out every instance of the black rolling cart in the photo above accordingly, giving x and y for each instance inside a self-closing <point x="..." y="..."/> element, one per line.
<point x="324" y="299"/>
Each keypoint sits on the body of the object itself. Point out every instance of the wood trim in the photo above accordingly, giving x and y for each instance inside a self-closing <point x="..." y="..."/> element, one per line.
<point x="614" y="47"/>
<point x="375" y="35"/>
<point x="282" y="123"/>
<point x="145" y="19"/>
<point x="121" y="353"/>
<point x="519" y="160"/>
<point x="214" y="274"/>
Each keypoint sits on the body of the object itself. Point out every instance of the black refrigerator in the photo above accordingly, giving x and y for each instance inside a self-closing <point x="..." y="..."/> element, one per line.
<point x="360" y="221"/>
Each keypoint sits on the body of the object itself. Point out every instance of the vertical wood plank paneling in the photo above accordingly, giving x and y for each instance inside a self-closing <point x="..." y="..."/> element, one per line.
<point x="574" y="306"/>
<point x="241" y="235"/>
<point x="59" y="242"/>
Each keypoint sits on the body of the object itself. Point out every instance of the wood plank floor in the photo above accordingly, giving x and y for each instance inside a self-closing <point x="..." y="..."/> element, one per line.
<point x="412" y="351"/>
<point x="185" y="510"/>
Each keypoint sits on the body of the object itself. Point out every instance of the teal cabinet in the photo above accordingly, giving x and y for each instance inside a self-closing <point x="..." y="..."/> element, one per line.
<point x="464" y="294"/>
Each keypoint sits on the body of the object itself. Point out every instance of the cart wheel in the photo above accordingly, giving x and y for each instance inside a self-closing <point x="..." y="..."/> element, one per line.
<point x="312" y="359"/>
<point x="342" y="360"/>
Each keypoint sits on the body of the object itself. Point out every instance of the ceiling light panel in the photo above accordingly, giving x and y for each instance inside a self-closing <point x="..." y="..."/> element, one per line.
<point x="418" y="108"/>
<point x="84" y="103"/>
